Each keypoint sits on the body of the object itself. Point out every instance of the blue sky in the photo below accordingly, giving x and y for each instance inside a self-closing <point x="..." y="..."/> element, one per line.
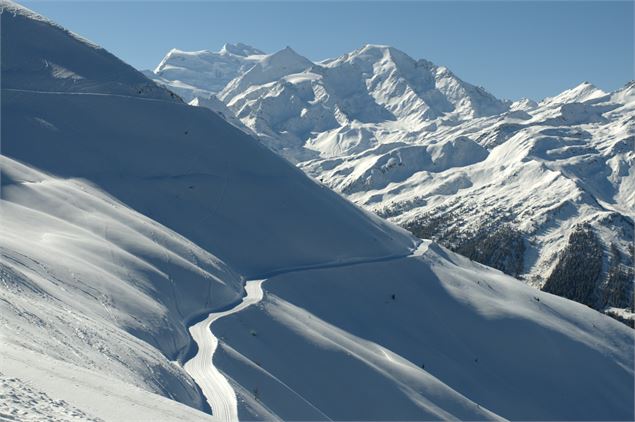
<point x="514" y="49"/>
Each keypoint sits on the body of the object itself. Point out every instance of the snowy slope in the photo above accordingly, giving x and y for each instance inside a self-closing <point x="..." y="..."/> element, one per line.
<point x="411" y="142"/>
<point x="459" y="341"/>
<point x="92" y="69"/>
<point x="104" y="208"/>
<point x="128" y="217"/>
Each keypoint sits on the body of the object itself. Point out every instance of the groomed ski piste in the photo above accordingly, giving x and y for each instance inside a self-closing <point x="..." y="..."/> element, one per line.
<point x="124" y="218"/>
<point x="217" y="390"/>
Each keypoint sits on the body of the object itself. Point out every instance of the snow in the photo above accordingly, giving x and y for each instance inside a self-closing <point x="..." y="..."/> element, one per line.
<point x="217" y="106"/>
<point x="621" y="313"/>
<point x="204" y="73"/>
<point x="409" y="140"/>
<point x="219" y="394"/>
<point x="36" y="387"/>
<point x="129" y="216"/>
<point x="292" y="104"/>
<point x="580" y="93"/>
<point x="21" y="402"/>
<point x="268" y="69"/>
<point x="55" y="70"/>
<point x="457" y="341"/>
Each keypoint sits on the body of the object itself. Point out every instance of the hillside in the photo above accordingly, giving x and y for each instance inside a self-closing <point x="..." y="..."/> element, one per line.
<point x="129" y="216"/>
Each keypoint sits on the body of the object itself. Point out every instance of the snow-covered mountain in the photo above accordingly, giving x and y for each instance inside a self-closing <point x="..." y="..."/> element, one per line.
<point x="304" y="109"/>
<point x="515" y="185"/>
<point x="204" y="73"/>
<point x="128" y="216"/>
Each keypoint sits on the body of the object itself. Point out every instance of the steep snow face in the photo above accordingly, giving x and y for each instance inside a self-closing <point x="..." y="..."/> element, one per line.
<point x="411" y="89"/>
<point x="240" y="49"/>
<point x="217" y="106"/>
<point x="90" y="282"/>
<point x="232" y="183"/>
<point x="53" y="69"/>
<point x="523" y="189"/>
<point x="204" y="73"/>
<point x="413" y="143"/>
<point x="517" y="204"/>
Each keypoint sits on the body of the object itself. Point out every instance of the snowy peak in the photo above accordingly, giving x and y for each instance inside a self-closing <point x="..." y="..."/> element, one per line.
<point x="240" y="49"/>
<point x="370" y="53"/>
<point x="416" y="89"/>
<point x="286" y="59"/>
<point x="582" y="92"/>
<point x="626" y="94"/>
<point x="524" y="104"/>
<point x="372" y="59"/>
<point x="300" y="108"/>
<point x="268" y="69"/>
<point x="203" y="73"/>
<point x="371" y="78"/>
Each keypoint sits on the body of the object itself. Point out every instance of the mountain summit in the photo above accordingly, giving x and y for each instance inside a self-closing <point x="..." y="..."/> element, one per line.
<point x="370" y="85"/>
<point x="203" y="73"/>
<point x="240" y="49"/>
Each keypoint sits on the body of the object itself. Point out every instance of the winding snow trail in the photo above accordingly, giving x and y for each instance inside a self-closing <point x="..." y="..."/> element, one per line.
<point x="219" y="393"/>
<point x="216" y="389"/>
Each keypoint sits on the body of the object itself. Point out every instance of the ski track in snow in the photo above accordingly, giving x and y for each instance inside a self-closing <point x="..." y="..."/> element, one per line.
<point x="220" y="395"/>
<point x="93" y="94"/>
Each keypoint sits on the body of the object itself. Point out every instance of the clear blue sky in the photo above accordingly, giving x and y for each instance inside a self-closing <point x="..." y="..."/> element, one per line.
<point x="514" y="49"/>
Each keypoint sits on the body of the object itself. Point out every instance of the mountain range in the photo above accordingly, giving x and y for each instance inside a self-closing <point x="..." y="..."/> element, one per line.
<point x="544" y="191"/>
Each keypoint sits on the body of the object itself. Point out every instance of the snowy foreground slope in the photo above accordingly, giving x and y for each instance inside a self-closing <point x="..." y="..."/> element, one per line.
<point x="127" y="216"/>
<point x="543" y="192"/>
<point x="434" y="335"/>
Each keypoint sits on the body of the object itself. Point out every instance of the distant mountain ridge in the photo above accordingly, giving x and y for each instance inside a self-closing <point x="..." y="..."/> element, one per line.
<point x="204" y="72"/>
<point x="370" y="85"/>
<point x="412" y="142"/>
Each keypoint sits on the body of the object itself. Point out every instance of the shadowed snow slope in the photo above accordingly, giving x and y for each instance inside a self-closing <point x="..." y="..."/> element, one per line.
<point x="128" y="215"/>
<point x="429" y="336"/>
